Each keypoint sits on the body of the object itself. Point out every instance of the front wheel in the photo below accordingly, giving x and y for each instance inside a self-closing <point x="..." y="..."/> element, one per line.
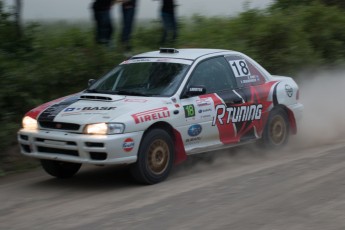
<point x="60" y="169"/>
<point x="276" y="132"/>
<point x="155" y="157"/>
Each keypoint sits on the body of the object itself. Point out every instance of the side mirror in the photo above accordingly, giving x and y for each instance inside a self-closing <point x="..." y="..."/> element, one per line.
<point x="195" y="91"/>
<point x="91" y="82"/>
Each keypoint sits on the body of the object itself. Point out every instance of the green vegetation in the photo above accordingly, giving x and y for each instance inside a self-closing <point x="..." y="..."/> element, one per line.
<point x="52" y="60"/>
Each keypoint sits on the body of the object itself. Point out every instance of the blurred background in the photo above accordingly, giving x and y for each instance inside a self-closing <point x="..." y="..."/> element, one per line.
<point x="47" y="48"/>
<point x="146" y="9"/>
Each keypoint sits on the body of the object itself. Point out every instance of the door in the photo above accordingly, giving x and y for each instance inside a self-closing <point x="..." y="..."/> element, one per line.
<point x="208" y="119"/>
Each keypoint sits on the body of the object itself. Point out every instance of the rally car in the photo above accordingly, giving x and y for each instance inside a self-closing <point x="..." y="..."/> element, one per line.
<point x="156" y="108"/>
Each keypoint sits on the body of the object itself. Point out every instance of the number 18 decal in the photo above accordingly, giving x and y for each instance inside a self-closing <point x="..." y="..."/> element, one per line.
<point x="189" y="111"/>
<point x="240" y="68"/>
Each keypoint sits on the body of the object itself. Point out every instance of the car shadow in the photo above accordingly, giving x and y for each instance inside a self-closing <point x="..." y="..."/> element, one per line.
<point x="92" y="178"/>
<point x="117" y="177"/>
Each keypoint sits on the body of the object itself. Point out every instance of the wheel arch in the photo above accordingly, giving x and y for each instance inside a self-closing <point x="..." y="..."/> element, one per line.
<point x="180" y="153"/>
<point x="280" y="104"/>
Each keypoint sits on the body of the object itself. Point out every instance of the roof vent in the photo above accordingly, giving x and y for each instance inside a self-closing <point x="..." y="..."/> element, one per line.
<point x="168" y="50"/>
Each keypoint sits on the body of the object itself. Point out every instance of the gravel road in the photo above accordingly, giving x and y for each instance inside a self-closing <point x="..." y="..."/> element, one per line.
<point x="298" y="188"/>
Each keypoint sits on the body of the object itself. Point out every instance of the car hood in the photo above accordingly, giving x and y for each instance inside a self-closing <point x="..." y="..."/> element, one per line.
<point x="94" y="108"/>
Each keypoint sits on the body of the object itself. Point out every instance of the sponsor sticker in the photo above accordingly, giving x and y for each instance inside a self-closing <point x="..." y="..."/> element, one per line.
<point x="232" y="114"/>
<point x="136" y="100"/>
<point x="194" y="130"/>
<point x="204" y="110"/>
<point x="193" y="140"/>
<point x="288" y="90"/>
<point x="251" y="79"/>
<point x="74" y="109"/>
<point x="189" y="111"/>
<point x="165" y="60"/>
<point x="203" y="102"/>
<point x="240" y="68"/>
<point x="128" y="145"/>
<point x="151" y="115"/>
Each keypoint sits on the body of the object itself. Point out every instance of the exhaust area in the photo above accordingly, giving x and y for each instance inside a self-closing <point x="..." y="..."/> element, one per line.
<point x="323" y="97"/>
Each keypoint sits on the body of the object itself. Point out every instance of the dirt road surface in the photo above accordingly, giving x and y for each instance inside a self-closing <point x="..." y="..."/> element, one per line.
<point x="299" y="188"/>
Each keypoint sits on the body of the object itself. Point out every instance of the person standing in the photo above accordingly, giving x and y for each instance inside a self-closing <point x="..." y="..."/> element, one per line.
<point x="169" y="22"/>
<point x="102" y="16"/>
<point x="128" y="12"/>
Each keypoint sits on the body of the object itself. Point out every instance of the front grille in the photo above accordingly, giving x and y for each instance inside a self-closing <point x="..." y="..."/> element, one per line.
<point x="61" y="142"/>
<point x="59" y="125"/>
<point x="94" y="144"/>
<point x="57" y="151"/>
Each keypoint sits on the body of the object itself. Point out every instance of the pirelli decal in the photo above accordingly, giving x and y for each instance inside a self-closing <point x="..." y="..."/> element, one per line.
<point x="151" y="115"/>
<point x="234" y="114"/>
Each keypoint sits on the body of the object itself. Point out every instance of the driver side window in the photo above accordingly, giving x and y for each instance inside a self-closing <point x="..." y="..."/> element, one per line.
<point x="214" y="74"/>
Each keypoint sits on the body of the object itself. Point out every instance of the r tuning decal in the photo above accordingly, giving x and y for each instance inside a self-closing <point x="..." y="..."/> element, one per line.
<point x="237" y="114"/>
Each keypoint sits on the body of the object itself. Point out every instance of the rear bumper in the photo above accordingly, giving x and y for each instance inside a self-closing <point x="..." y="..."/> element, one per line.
<point x="80" y="148"/>
<point x="295" y="116"/>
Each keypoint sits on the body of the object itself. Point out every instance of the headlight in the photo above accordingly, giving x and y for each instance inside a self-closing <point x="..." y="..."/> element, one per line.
<point x="29" y="123"/>
<point x="104" y="128"/>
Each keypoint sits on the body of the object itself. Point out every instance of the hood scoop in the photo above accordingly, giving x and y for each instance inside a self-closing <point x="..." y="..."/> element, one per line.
<point x="97" y="97"/>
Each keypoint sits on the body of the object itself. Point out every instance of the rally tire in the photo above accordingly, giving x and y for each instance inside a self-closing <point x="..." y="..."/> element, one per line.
<point x="155" y="157"/>
<point x="60" y="169"/>
<point x="277" y="129"/>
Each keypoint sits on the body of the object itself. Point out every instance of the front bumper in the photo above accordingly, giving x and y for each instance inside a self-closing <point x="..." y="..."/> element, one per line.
<point x="80" y="148"/>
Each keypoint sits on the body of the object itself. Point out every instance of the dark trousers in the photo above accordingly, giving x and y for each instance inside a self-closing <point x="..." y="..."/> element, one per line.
<point x="104" y="27"/>
<point x="169" y="28"/>
<point x="127" y="20"/>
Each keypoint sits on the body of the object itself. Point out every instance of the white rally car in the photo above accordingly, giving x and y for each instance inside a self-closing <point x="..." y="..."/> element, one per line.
<point x="154" y="109"/>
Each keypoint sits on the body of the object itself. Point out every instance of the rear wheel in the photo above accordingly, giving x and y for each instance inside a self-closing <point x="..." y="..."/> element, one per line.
<point x="276" y="132"/>
<point x="155" y="157"/>
<point x="60" y="169"/>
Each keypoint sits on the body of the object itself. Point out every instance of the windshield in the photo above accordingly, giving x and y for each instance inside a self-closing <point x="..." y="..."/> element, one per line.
<point x="142" y="79"/>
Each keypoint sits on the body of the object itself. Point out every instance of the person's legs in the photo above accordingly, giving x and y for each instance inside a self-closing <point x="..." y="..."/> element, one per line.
<point x="98" y="26"/>
<point x="128" y="18"/>
<point x="170" y="28"/>
<point x="108" y="26"/>
<point x="166" y="25"/>
<point x="173" y="27"/>
<point x="104" y="27"/>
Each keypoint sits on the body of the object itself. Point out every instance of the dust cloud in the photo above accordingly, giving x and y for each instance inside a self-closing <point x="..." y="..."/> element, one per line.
<point x="323" y="97"/>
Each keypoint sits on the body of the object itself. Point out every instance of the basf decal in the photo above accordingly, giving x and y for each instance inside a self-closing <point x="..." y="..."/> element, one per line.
<point x="88" y="109"/>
